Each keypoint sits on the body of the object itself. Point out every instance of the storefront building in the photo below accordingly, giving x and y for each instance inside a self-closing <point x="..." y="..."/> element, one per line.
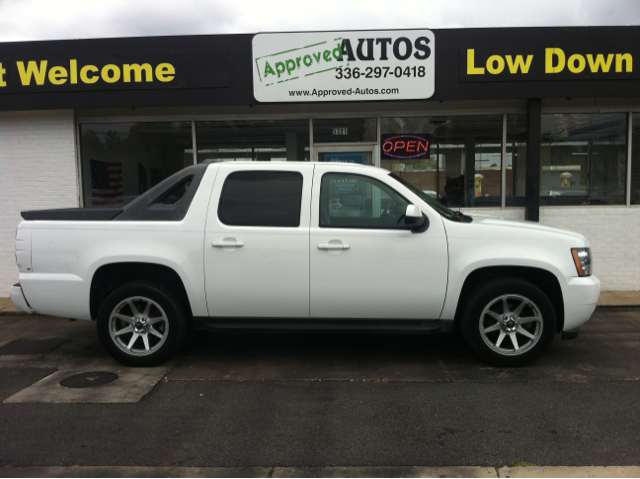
<point x="541" y="124"/>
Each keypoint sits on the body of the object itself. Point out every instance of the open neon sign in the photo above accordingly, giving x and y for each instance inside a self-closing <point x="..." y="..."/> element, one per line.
<point x="405" y="146"/>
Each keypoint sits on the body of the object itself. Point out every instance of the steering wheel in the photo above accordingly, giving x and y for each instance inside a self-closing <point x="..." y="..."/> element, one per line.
<point x="390" y="209"/>
<point x="393" y="211"/>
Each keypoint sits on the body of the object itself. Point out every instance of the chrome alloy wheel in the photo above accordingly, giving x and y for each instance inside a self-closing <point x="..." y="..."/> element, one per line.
<point x="138" y="326"/>
<point x="511" y="325"/>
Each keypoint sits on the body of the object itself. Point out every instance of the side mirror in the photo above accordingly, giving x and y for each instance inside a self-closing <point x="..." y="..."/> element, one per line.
<point x="415" y="220"/>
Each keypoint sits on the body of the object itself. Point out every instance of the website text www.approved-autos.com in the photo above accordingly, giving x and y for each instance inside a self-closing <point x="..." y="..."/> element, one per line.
<point x="348" y="92"/>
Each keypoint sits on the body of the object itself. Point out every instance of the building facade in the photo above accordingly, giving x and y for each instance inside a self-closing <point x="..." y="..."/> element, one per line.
<point x="539" y="124"/>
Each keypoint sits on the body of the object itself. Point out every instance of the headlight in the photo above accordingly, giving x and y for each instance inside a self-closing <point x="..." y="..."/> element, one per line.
<point x="582" y="259"/>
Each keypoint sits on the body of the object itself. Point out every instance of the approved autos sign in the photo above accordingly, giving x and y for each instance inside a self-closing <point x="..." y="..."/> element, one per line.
<point x="344" y="66"/>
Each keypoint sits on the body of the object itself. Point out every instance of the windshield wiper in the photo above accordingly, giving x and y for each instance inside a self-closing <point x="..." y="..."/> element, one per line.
<point x="462" y="218"/>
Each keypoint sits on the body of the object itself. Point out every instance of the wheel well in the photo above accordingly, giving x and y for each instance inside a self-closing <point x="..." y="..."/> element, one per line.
<point x="110" y="276"/>
<point x="541" y="278"/>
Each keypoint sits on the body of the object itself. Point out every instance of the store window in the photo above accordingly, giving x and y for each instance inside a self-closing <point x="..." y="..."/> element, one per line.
<point x="120" y="161"/>
<point x="516" y="160"/>
<point x="583" y="159"/>
<point x="286" y="140"/>
<point x="635" y="161"/>
<point x="463" y="167"/>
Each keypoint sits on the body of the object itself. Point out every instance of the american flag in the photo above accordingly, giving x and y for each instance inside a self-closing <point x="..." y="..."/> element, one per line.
<point x="106" y="183"/>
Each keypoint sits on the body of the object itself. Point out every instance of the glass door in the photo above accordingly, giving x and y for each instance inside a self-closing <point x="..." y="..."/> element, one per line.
<point x="359" y="154"/>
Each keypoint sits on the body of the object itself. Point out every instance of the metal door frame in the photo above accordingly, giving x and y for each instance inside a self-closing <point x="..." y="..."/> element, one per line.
<point x="347" y="148"/>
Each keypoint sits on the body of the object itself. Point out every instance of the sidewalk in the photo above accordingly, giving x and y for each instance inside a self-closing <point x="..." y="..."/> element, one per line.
<point x="608" y="299"/>
<point x="331" y="471"/>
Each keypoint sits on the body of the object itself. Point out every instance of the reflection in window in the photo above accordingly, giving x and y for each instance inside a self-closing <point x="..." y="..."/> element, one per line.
<point x="635" y="161"/>
<point x="173" y="196"/>
<point x="464" y="165"/>
<point x="583" y="159"/>
<point x="261" y="198"/>
<point x="123" y="160"/>
<point x="354" y="201"/>
<point x="251" y="140"/>
<point x="516" y="159"/>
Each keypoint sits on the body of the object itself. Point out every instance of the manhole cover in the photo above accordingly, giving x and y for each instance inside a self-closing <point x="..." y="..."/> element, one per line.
<point x="88" y="380"/>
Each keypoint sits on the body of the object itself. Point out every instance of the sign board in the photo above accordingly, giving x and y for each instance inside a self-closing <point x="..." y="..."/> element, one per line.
<point x="344" y="66"/>
<point x="347" y="193"/>
<point x="359" y="157"/>
<point x="549" y="62"/>
<point x="404" y="146"/>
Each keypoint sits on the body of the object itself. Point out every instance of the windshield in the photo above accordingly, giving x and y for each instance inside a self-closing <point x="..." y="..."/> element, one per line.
<point x="435" y="204"/>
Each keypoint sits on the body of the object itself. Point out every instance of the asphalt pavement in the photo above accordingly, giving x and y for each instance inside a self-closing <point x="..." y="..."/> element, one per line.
<point x="246" y="404"/>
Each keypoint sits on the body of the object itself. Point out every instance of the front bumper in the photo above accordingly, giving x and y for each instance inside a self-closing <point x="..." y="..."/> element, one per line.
<point x="19" y="301"/>
<point x="581" y="296"/>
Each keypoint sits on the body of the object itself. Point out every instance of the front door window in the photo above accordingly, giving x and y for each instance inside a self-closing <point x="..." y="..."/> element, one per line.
<point x="356" y="201"/>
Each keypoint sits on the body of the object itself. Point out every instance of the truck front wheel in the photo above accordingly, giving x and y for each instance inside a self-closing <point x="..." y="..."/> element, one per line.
<point x="141" y="324"/>
<point x="508" y="322"/>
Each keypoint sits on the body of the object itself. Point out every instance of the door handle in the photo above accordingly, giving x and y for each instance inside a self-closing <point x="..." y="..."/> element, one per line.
<point x="227" y="244"/>
<point x="333" y="246"/>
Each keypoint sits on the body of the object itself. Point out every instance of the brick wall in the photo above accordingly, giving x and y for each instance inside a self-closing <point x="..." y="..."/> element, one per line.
<point x="613" y="231"/>
<point x="37" y="171"/>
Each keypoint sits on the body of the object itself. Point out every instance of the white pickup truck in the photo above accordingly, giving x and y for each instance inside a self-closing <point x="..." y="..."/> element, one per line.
<point x="301" y="246"/>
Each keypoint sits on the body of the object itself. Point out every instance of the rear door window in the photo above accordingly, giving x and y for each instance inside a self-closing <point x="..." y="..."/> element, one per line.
<point x="261" y="198"/>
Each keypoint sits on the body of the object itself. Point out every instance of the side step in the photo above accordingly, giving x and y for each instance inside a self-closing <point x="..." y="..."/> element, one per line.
<point x="386" y="326"/>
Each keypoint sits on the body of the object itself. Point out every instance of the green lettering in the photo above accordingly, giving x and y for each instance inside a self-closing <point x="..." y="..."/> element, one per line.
<point x="291" y="65"/>
<point x="327" y="56"/>
<point x="317" y="57"/>
<point x="268" y="70"/>
<point x="308" y="61"/>
<point x="280" y="68"/>
<point x="337" y="53"/>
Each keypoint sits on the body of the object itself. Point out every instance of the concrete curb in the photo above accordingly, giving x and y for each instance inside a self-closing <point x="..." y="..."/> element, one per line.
<point x="333" y="471"/>
<point x="606" y="306"/>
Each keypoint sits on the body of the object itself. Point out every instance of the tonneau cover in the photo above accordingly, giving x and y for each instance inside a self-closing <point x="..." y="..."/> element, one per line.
<point x="73" y="214"/>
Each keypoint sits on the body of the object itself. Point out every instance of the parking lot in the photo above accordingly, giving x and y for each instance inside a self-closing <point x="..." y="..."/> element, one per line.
<point x="262" y="401"/>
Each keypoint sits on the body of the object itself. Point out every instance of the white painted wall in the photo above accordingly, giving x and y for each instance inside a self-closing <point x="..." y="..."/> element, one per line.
<point x="38" y="170"/>
<point x="613" y="231"/>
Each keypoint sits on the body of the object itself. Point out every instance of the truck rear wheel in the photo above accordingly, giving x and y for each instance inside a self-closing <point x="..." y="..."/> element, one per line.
<point x="508" y="322"/>
<point x="141" y="324"/>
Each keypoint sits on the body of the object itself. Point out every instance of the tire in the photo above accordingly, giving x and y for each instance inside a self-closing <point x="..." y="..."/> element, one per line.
<point x="505" y="339"/>
<point x="150" y="313"/>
